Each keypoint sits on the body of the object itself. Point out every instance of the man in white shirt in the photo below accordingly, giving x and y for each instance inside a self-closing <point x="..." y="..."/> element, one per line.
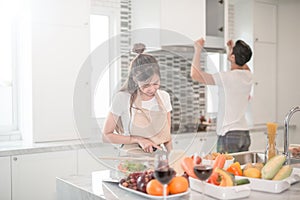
<point x="234" y="95"/>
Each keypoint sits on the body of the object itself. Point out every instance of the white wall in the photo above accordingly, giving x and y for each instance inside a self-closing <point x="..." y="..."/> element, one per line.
<point x="288" y="63"/>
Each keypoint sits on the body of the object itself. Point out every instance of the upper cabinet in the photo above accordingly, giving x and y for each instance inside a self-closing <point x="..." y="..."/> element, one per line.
<point x="171" y="22"/>
<point x="265" y="22"/>
<point x="59" y="47"/>
<point x="61" y="12"/>
<point x="183" y="17"/>
<point x="254" y="20"/>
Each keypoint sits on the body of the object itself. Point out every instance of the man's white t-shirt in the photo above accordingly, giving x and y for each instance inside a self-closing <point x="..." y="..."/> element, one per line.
<point x="121" y="105"/>
<point x="234" y="92"/>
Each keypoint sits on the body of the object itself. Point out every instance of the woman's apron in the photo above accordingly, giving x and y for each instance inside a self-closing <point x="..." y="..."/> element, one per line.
<point x="148" y="124"/>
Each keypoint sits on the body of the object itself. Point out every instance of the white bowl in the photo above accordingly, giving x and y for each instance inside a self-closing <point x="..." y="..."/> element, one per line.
<point x="211" y="162"/>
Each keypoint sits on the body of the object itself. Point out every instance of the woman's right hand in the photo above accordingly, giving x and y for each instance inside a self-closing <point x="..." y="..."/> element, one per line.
<point x="146" y="144"/>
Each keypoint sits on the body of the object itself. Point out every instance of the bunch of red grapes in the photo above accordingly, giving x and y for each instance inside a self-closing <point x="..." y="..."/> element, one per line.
<point x="138" y="180"/>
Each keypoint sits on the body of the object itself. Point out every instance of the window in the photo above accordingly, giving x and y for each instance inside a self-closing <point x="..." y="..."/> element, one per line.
<point x="215" y="62"/>
<point x="99" y="33"/>
<point x="8" y="68"/>
<point x="103" y="23"/>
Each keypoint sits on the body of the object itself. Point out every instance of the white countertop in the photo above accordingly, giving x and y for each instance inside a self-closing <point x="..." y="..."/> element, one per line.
<point x="92" y="187"/>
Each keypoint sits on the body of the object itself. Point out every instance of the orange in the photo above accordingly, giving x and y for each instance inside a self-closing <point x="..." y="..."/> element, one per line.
<point x="178" y="184"/>
<point x="154" y="187"/>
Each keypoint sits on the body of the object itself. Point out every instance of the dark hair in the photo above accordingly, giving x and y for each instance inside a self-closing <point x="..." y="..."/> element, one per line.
<point x="242" y="52"/>
<point x="142" y="68"/>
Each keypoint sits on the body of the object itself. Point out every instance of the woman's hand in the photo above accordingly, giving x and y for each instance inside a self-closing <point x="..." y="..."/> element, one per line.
<point x="146" y="144"/>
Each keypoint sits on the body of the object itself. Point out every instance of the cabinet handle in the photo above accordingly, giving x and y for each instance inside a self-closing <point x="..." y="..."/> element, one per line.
<point x="221" y="1"/>
<point x="256" y="39"/>
<point x="221" y="29"/>
<point x="15" y="158"/>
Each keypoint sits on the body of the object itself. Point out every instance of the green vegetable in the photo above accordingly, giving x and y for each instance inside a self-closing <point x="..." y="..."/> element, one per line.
<point x="242" y="181"/>
<point x="283" y="173"/>
<point x="133" y="166"/>
<point x="272" y="167"/>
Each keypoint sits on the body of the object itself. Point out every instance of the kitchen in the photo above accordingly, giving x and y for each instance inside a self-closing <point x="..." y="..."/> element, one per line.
<point x="54" y="56"/>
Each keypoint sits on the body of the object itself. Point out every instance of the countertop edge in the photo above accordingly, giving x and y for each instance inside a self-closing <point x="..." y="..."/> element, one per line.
<point x="14" y="148"/>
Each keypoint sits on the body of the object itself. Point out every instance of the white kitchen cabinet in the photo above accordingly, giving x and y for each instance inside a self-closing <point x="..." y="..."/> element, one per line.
<point x="183" y="17"/>
<point x="168" y="22"/>
<point x="5" y="174"/>
<point x="60" y="45"/>
<point x="34" y="175"/>
<point x="195" y="142"/>
<point x="61" y="12"/>
<point x="264" y="97"/>
<point x="255" y="23"/>
<point x="259" y="141"/>
<point x="265" y="22"/>
<point x="89" y="162"/>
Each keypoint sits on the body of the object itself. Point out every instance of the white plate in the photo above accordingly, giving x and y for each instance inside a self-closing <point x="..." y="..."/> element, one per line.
<point x="152" y="196"/>
<point x="273" y="186"/>
<point x="219" y="192"/>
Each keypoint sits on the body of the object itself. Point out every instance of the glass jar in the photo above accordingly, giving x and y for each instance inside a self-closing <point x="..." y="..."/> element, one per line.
<point x="271" y="149"/>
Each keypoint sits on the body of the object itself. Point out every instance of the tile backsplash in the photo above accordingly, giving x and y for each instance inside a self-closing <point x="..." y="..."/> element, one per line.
<point x="187" y="97"/>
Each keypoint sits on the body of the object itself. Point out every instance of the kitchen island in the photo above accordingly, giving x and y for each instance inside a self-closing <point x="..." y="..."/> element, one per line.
<point x="91" y="187"/>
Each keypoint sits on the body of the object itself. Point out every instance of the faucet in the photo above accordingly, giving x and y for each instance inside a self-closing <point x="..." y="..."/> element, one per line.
<point x="286" y="132"/>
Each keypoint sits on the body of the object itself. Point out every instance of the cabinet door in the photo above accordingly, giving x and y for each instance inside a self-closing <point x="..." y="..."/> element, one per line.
<point x="89" y="162"/>
<point x="265" y="22"/>
<point x="258" y="141"/>
<point x="264" y="98"/>
<point x="196" y="142"/>
<point x="183" y="17"/>
<point x="62" y="12"/>
<point x="58" y="52"/>
<point x="60" y="44"/>
<point x="5" y="174"/>
<point x="34" y="175"/>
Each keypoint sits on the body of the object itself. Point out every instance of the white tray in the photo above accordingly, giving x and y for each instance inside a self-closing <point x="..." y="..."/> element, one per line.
<point x="273" y="186"/>
<point x="152" y="196"/>
<point x="234" y="192"/>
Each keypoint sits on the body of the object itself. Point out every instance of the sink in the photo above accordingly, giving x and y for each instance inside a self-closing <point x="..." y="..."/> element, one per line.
<point x="248" y="157"/>
<point x="254" y="157"/>
<point x="294" y="160"/>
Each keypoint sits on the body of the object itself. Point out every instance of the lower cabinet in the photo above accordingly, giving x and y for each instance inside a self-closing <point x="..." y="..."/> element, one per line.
<point x="259" y="140"/>
<point x="34" y="175"/>
<point x="5" y="183"/>
<point x="203" y="142"/>
<point x="89" y="162"/>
